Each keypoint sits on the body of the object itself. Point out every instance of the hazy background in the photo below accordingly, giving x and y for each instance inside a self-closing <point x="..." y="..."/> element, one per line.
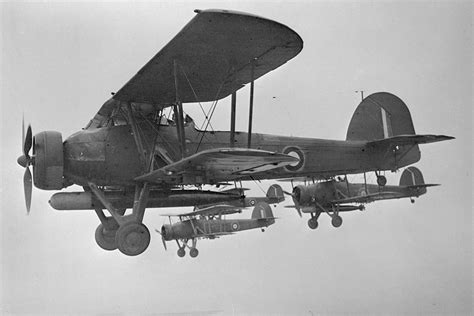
<point x="59" y="63"/>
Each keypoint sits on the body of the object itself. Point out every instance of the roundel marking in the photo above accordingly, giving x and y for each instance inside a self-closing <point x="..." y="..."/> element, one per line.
<point x="252" y="202"/>
<point x="235" y="226"/>
<point x="297" y="153"/>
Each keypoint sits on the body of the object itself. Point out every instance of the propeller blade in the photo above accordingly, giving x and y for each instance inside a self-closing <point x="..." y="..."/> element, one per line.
<point x="164" y="242"/>
<point x="28" y="142"/>
<point x="23" y="132"/>
<point x="162" y="238"/>
<point x="27" y="185"/>
<point x="288" y="193"/>
<point x="299" y="211"/>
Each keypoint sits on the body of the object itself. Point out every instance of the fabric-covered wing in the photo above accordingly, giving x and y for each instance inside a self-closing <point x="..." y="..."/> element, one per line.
<point x="369" y="197"/>
<point x="215" y="165"/>
<point x="217" y="209"/>
<point x="213" y="53"/>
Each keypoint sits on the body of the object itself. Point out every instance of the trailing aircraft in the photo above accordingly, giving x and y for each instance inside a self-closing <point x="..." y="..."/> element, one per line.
<point x="131" y="155"/>
<point x="333" y="196"/>
<point x="209" y="221"/>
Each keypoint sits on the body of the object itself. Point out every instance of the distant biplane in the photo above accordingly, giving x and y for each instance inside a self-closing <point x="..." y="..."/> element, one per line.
<point x="131" y="156"/>
<point x="332" y="197"/>
<point x="209" y="221"/>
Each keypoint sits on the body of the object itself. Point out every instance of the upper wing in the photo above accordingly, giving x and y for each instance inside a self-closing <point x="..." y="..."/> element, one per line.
<point x="215" y="165"/>
<point x="213" y="54"/>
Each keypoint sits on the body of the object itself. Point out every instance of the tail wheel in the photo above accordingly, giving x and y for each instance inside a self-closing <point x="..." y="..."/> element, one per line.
<point x="132" y="238"/>
<point x="381" y="181"/>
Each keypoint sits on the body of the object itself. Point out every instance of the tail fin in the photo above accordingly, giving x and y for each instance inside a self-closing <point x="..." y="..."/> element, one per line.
<point x="275" y="194"/>
<point x="263" y="211"/>
<point x="380" y="115"/>
<point x="411" y="176"/>
<point x="413" y="179"/>
<point x="383" y="115"/>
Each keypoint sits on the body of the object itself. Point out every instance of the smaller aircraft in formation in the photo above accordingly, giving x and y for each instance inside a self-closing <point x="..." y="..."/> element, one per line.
<point x="333" y="196"/>
<point x="209" y="221"/>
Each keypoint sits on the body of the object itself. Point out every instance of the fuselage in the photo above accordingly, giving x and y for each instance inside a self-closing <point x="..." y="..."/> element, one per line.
<point x="109" y="156"/>
<point x="196" y="228"/>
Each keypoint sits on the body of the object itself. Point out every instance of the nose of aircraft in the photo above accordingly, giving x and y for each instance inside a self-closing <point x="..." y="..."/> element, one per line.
<point x="22" y="161"/>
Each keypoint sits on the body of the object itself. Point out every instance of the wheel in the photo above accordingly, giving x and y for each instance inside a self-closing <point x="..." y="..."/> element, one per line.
<point x="381" y="180"/>
<point x="181" y="252"/>
<point x="313" y="223"/>
<point x="193" y="252"/>
<point x="105" y="238"/>
<point x="132" y="238"/>
<point x="336" y="221"/>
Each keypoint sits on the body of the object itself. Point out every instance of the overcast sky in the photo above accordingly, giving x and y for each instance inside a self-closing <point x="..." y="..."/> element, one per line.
<point x="59" y="63"/>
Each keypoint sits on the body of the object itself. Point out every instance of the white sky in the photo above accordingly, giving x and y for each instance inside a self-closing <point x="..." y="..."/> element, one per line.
<point x="59" y="63"/>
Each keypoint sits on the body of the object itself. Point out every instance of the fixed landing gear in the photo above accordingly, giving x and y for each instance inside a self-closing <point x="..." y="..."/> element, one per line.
<point x="381" y="180"/>
<point x="105" y="237"/>
<point x="181" y="252"/>
<point x="336" y="221"/>
<point x="313" y="223"/>
<point x="132" y="238"/>
<point x="193" y="252"/>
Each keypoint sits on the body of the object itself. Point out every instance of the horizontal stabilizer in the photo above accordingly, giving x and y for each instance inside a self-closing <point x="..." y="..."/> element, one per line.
<point x="402" y="140"/>
<point x="419" y="186"/>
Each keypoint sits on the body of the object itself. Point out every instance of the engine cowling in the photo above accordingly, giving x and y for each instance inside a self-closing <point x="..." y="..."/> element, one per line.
<point x="308" y="195"/>
<point x="48" y="166"/>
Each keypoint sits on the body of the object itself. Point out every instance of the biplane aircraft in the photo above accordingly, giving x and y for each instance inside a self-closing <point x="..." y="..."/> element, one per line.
<point x="208" y="221"/>
<point x="333" y="196"/>
<point x="131" y="156"/>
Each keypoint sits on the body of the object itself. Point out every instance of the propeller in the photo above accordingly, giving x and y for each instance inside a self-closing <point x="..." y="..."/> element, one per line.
<point x="297" y="207"/>
<point x="25" y="161"/>
<point x="162" y="238"/>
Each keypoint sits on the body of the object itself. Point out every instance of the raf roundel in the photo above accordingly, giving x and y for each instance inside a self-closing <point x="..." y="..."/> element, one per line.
<point x="297" y="153"/>
<point x="235" y="226"/>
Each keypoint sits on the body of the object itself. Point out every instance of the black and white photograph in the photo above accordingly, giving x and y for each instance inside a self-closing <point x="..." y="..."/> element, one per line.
<point x="236" y="157"/>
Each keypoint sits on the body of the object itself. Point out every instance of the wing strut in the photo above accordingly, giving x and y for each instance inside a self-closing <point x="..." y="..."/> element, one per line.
<point x="137" y="136"/>
<point x="232" y="119"/>
<point x="252" y="69"/>
<point x="178" y="111"/>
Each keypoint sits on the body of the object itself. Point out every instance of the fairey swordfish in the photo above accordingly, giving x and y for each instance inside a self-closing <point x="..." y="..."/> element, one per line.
<point x="130" y="156"/>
